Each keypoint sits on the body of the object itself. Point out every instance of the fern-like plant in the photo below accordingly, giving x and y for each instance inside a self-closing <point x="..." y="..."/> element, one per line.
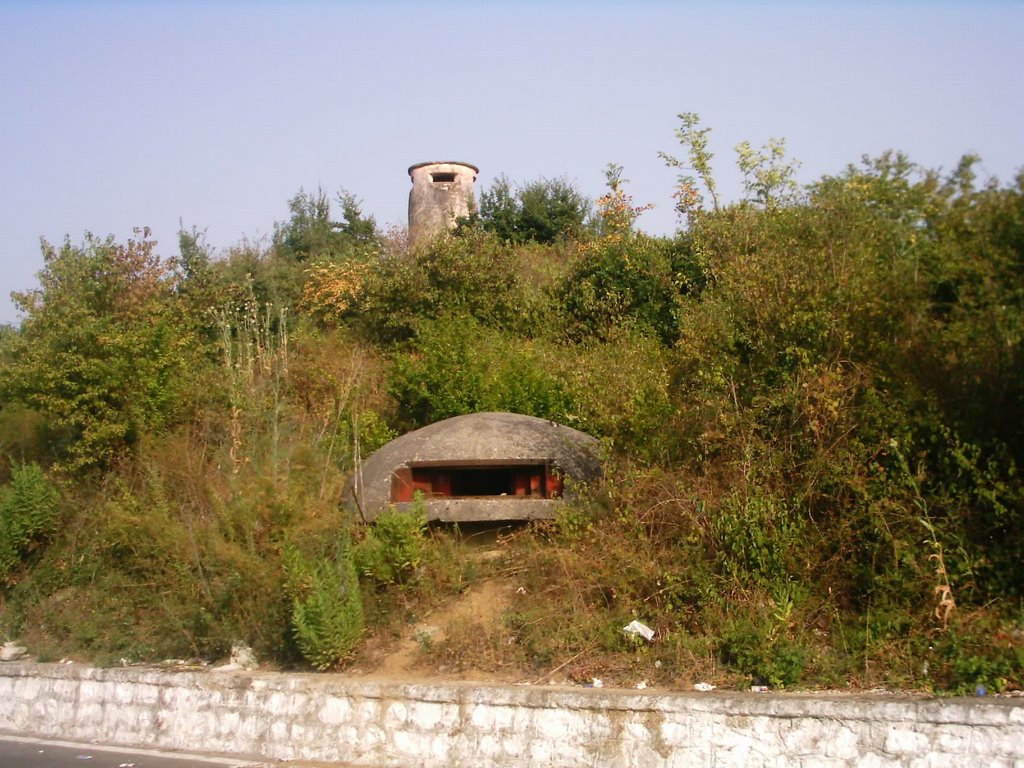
<point x="29" y="507"/>
<point x="327" y="609"/>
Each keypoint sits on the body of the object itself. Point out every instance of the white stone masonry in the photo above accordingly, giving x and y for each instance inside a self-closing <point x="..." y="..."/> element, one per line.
<point x="332" y="718"/>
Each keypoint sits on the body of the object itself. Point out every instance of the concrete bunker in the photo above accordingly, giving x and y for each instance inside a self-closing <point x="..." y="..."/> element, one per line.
<point x="442" y="193"/>
<point x="478" y="467"/>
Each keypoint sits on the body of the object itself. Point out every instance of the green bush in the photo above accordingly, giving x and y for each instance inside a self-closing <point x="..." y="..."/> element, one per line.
<point x="758" y="537"/>
<point x="474" y="276"/>
<point x="326" y="606"/>
<point x="620" y="390"/>
<point x="393" y="547"/>
<point x="633" y="282"/>
<point x="29" y="508"/>
<point x="104" y="348"/>
<point x="541" y="211"/>
<point x="775" y="661"/>
<point x="457" y="365"/>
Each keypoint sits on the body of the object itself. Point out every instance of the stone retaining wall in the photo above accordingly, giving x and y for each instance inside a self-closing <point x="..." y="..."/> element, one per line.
<point x="331" y="718"/>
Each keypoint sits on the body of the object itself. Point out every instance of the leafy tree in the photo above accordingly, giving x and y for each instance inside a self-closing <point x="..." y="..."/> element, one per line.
<point x="311" y="233"/>
<point x="313" y="243"/>
<point x="768" y="177"/>
<point x="616" y="212"/>
<point x="459" y="366"/>
<point x="201" y="286"/>
<point x="541" y="211"/>
<point x="354" y="223"/>
<point x="626" y="279"/>
<point x="103" y="349"/>
<point x="695" y="141"/>
<point x="499" y="210"/>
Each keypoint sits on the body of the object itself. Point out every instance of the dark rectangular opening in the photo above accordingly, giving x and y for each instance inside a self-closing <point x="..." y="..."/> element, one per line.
<point x="438" y="178"/>
<point x="458" y="481"/>
<point x="492" y="481"/>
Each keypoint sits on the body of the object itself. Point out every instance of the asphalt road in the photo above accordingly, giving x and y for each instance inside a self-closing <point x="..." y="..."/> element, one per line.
<point x="36" y="753"/>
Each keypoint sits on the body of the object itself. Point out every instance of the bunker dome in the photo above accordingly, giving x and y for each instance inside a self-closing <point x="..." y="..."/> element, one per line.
<point x="481" y="466"/>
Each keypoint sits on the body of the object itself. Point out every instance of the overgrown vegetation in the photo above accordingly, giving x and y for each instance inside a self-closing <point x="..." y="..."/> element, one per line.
<point x="811" y="401"/>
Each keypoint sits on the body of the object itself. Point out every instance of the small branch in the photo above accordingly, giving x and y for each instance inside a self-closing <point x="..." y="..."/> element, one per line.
<point x="560" y="666"/>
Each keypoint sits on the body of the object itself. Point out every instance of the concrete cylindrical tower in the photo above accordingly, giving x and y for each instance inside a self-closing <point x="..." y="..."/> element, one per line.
<point x="441" y="193"/>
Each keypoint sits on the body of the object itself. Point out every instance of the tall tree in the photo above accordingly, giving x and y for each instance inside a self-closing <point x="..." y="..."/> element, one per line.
<point x="541" y="211"/>
<point x="103" y="346"/>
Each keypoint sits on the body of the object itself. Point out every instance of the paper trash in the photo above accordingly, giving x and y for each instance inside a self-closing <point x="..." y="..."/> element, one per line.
<point x="639" y="628"/>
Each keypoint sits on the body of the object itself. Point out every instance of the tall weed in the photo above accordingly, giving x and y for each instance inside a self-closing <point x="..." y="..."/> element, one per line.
<point x="326" y="606"/>
<point x="29" y="510"/>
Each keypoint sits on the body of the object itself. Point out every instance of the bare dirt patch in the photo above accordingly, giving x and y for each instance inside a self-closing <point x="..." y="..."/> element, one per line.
<point x="420" y="652"/>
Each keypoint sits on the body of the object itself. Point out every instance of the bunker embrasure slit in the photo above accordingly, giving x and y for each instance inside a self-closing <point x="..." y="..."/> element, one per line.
<point x="515" y="480"/>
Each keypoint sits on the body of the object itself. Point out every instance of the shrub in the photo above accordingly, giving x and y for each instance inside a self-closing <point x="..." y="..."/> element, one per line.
<point x="775" y="661"/>
<point x="459" y="366"/>
<point x="541" y="211"/>
<point x="393" y="546"/>
<point x="474" y="276"/>
<point x="757" y="537"/>
<point x="29" y="507"/>
<point x="636" y="281"/>
<point x="326" y="607"/>
<point x="619" y="390"/>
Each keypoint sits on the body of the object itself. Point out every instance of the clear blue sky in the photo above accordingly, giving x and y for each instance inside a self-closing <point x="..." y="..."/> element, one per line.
<point x="117" y="115"/>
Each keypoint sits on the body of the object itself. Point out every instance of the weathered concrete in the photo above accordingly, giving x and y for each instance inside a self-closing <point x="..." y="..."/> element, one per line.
<point x="478" y="438"/>
<point x="331" y="718"/>
<point x="442" y="192"/>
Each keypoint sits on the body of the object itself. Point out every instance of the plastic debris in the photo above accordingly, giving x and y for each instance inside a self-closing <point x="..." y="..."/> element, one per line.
<point x="703" y="687"/>
<point x="639" y="628"/>
<point x="981" y="690"/>
<point x="85" y="757"/>
<point x="641" y="685"/>
<point x="597" y="682"/>
<point x="759" y="688"/>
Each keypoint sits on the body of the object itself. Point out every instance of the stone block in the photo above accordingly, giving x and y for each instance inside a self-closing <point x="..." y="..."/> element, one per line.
<point x="490" y="718"/>
<point x="395" y="714"/>
<point x="541" y="751"/>
<point x="365" y="711"/>
<point x="674" y="733"/>
<point x="431" y="715"/>
<point x="26" y="688"/>
<point x="902" y="741"/>
<point x="556" y="724"/>
<point x="440" y="748"/>
<point x="840" y="742"/>
<point x="873" y="760"/>
<point x="335" y="711"/>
